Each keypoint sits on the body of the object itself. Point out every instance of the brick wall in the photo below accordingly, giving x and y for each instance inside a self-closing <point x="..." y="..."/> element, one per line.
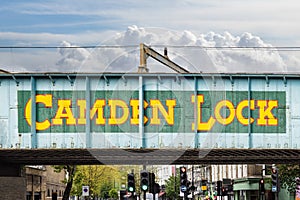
<point x="12" y="188"/>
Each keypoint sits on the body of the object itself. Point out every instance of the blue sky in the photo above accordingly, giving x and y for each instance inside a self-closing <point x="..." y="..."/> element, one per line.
<point x="196" y="22"/>
<point x="81" y="20"/>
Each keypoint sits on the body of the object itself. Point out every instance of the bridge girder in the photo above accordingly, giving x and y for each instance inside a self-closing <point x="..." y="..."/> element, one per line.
<point x="149" y="156"/>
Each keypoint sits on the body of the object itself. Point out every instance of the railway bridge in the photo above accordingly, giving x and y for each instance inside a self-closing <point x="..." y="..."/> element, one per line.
<point x="205" y="118"/>
<point x="188" y="111"/>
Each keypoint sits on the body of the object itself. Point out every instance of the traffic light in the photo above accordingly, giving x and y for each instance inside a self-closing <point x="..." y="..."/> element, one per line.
<point x="188" y="187"/>
<point x="275" y="181"/>
<point x="156" y="188"/>
<point x="230" y="187"/>
<point x="193" y="188"/>
<point x="262" y="186"/>
<point x="224" y="191"/>
<point x="144" y="180"/>
<point x="130" y="183"/>
<point x="183" y="179"/>
<point x="152" y="183"/>
<point x="204" y="185"/>
<point x="219" y="188"/>
<point x="123" y="194"/>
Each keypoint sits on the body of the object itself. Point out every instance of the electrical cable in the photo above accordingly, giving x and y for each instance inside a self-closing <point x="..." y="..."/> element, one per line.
<point x="271" y="48"/>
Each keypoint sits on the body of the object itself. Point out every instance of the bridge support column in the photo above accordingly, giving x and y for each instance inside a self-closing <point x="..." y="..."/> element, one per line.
<point x="12" y="182"/>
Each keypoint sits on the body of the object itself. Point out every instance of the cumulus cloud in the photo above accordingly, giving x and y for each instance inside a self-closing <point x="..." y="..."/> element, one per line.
<point x="245" y="58"/>
<point x="72" y="56"/>
<point x="197" y="53"/>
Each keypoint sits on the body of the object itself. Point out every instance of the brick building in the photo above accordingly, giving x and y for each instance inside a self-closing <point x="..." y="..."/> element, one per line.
<point x="42" y="183"/>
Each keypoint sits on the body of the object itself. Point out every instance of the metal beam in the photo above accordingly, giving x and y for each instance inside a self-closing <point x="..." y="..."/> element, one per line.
<point x="34" y="140"/>
<point x="88" y="105"/>
<point x="146" y="51"/>
<point x="141" y="113"/>
<point x="118" y="156"/>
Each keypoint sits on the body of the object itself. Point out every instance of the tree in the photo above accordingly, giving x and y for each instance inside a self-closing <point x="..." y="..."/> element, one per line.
<point x="287" y="175"/>
<point x="100" y="179"/>
<point x="172" y="186"/>
<point x="105" y="190"/>
<point x="113" y="193"/>
<point x="70" y="169"/>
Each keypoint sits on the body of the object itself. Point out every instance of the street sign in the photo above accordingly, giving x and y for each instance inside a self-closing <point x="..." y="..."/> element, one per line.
<point x="274" y="188"/>
<point x="183" y="188"/>
<point x="85" y="191"/>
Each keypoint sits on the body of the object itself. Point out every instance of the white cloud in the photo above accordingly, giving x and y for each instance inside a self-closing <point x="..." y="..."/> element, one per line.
<point x="51" y="39"/>
<point x="122" y="54"/>
<point x="38" y="60"/>
<point x="186" y="49"/>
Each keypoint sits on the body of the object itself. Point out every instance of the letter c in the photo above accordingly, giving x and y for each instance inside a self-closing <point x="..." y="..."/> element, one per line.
<point x="47" y="101"/>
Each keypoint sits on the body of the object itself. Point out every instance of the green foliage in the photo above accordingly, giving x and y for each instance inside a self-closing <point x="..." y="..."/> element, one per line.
<point x="172" y="186"/>
<point x="113" y="193"/>
<point x="104" y="181"/>
<point x="287" y="175"/>
<point x="105" y="188"/>
<point x="70" y="170"/>
<point x="58" y="168"/>
<point x="100" y="179"/>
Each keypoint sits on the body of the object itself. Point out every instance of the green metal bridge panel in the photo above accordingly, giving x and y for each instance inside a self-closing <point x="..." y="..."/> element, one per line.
<point x="234" y="111"/>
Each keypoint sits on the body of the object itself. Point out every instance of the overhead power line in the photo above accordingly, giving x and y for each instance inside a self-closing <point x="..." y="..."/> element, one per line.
<point x="271" y="48"/>
<point x="69" y="47"/>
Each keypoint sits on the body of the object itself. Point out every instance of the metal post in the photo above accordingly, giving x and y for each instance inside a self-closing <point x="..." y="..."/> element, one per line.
<point x="33" y="114"/>
<point x="141" y="112"/>
<point x="88" y="107"/>
<point x="175" y="188"/>
<point x="143" y="60"/>
<point x="144" y="195"/>
<point x="250" y="145"/>
<point x="263" y="172"/>
<point x="196" y="141"/>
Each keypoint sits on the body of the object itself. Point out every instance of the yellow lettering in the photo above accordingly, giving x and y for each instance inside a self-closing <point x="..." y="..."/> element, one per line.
<point x="157" y="106"/>
<point x="82" y="107"/>
<point x="64" y="111"/>
<point x="113" y="120"/>
<point x="265" y="112"/>
<point x="224" y="112"/>
<point x="239" y="111"/>
<point x="47" y="101"/>
<point x="97" y="108"/>
<point x="134" y="103"/>
<point x="224" y="120"/>
<point x="202" y="126"/>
